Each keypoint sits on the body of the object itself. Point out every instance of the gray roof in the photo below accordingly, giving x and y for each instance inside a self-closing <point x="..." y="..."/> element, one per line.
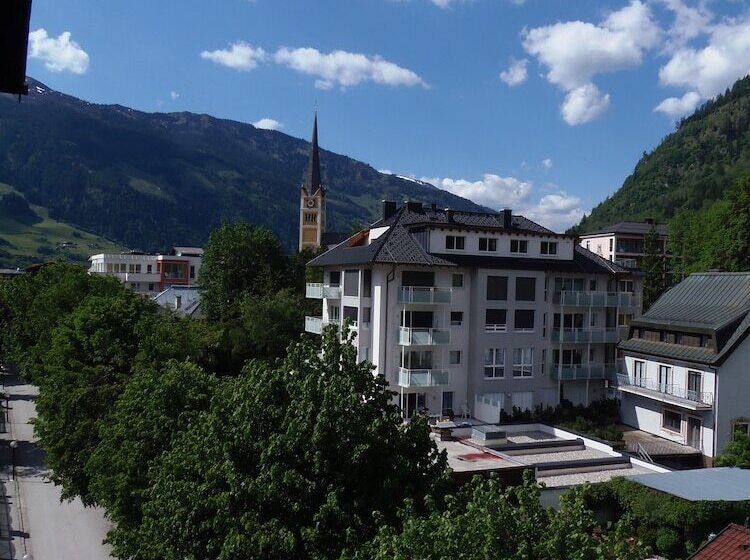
<point x="713" y="303"/>
<point x="631" y="228"/>
<point x="401" y="244"/>
<point x="697" y="485"/>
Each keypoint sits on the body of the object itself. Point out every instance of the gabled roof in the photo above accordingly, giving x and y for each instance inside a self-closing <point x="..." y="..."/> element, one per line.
<point x="733" y="543"/>
<point x="402" y="244"/>
<point x="632" y="228"/>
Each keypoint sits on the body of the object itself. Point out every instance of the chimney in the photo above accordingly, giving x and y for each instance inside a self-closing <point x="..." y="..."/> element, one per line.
<point x="507" y="218"/>
<point x="412" y="206"/>
<point x="389" y="208"/>
<point x="449" y="215"/>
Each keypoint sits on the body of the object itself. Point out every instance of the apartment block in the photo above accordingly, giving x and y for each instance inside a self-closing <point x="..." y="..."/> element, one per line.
<point x="687" y="364"/>
<point x="150" y="273"/>
<point x="623" y="243"/>
<point x="476" y="313"/>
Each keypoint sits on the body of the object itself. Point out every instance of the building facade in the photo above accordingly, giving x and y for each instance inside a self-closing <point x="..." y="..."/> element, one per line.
<point x="623" y="243"/>
<point x="150" y="273"/>
<point x="477" y="313"/>
<point x="687" y="364"/>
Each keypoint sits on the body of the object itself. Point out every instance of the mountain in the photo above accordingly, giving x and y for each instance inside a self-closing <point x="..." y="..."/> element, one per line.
<point x="151" y="180"/>
<point x="689" y="169"/>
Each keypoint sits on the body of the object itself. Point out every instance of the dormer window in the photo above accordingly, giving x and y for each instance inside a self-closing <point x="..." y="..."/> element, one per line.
<point x="519" y="246"/>
<point x="549" y="248"/>
<point x="455" y="242"/>
<point x="487" y="244"/>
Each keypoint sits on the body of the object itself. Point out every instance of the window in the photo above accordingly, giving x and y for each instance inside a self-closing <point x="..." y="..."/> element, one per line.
<point x="417" y="359"/>
<point x="549" y="248"/>
<point x="524" y="320"/>
<point x="592" y="285"/>
<point x="487" y="244"/>
<point x="367" y="283"/>
<point x="639" y="373"/>
<point x="457" y="318"/>
<point x="150" y="287"/>
<point x="695" y="385"/>
<point x="497" y="288"/>
<point x="569" y="321"/>
<point x="333" y="313"/>
<point x="334" y="277"/>
<point x="494" y="363"/>
<point x="495" y="320"/>
<point x="148" y="268"/>
<point x="611" y="244"/>
<point x="671" y="421"/>
<point x="447" y="403"/>
<point x="693" y="340"/>
<point x="351" y="313"/>
<point x="569" y="357"/>
<point x="455" y="242"/>
<point x="417" y="319"/>
<point x="653" y="336"/>
<point x="592" y="319"/>
<point x="665" y="379"/>
<point x="588" y="245"/>
<point x="311" y="217"/>
<point x="175" y="270"/>
<point x="623" y="319"/>
<point x="417" y="278"/>
<point x="192" y="271"/>
<point x="569" y="284"/>
<point x="523" y="362"/>
<point x="366" y="315"/>
<point x="454" y="357"/>
<point x="741" y="426"/>
<point x="351" y="283"/>
<point x="457" y="280"/>
<point x="627" y="286"/>
<point x="519" y="246"/>
<point x="525" y="289"/>
<point x="670" y="337"/>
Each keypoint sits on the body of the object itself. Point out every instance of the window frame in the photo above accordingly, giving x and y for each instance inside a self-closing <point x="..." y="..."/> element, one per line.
<point x="664" y="425"/>
<point x="495" y="327"/>
<point x="516" y="328"/>
<point x="458" y="242"/>
<point x="548" y="248"/>
<point x="451" y="354"/>
<point x="522" y="368"/>
<point x="457" y="275"/>
<point x="519" y="243"/>
<point x="456" y="322"/>
<point x="490" y="244"/>
<point x="493" y="364"/>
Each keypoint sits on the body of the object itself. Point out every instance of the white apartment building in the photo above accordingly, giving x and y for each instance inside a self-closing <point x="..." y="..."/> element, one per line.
<point x="477" y="312"/>
<point x="687" y="362"/>
<point x="150" y="274"/>
<point x="622" y="243"/>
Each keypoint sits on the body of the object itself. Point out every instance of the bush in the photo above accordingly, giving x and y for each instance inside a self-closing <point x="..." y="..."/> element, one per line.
<point x="668" y="542"/>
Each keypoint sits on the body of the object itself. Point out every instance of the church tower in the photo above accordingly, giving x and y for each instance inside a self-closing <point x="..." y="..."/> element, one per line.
<point x="312" y="199"/>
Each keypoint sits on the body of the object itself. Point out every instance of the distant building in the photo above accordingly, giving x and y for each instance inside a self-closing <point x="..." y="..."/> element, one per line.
<point x="183" y="300"/>
<point x="478" y="312"/>
<point x="9" y="273"/>
<point x="150" y="273"/>
<point x="623" y="243"/>
<point x="687" y="363"/>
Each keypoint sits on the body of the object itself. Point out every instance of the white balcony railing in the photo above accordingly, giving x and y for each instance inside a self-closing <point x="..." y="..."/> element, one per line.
<point x="589" y="335"/>
<point x="569" y="372"/>
<point x="422" y="378"/>
<point x="425" y="295"/>
<point x="320" y="291"/>
<point x="142" y="277"/>
<point x="596" y="299"/>
<point x="415" y="336"/>
<point x="315" y="325"/>
<point x="669" y="389"/>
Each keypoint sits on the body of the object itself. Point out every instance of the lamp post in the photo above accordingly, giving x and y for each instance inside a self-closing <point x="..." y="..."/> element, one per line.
<point x="13" y="446"/>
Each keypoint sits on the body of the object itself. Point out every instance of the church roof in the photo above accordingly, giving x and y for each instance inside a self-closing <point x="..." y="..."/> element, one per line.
<point x="312" y="181"/>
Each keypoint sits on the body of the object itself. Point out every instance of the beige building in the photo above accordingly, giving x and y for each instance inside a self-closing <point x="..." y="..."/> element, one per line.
<point x="623" y="243"/>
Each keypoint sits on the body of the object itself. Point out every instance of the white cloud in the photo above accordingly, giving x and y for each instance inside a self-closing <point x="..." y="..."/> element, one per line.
<point x="576" y="51"/>
<point x="713" y="68"/>
<point x="689" y="22"/>
<point x="516" y="73"/>
<point x="60" y="54"/>
<point x="584" y="104"/>
<point x="345" y="68"/>
<point x="268" y="124"/>
<point x="174" y="95"/>
<point x="239" y="56"/>
<point x="547" y="164"/>
<point x="447" y="3"/>
<point x="679" y="106"/>
<point x="557" y="211"/>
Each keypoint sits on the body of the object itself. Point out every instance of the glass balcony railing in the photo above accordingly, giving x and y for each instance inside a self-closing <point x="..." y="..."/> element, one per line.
<point x="315" y="325"/>
<point x="415" y="336"/>
<point x="646" y="386"/>
<point x="422" y="378"/>
<point x="596" y="299"/>
<point x="589" y="335"/>
<point x="572" y="372"/>
<point x="425" y="295"/>
<point x="320" y="291"/>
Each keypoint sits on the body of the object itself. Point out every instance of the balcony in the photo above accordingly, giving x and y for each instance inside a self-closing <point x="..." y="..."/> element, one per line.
<point x="589" y="335"/>
<point x="415" y="336"/>
<point x="143" y="277"/>
<point x="424" y="295"/>
<point x="596" y="299"/>
<point x="669" y="393"/>
<point x="573" y="372"/>
<point x="315" y="325"/>
<point x="422" y="378"/>
<point x="321" y="291"/>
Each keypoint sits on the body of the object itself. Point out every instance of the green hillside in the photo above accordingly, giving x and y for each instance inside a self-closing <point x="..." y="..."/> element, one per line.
<point x="690" y="169"/>
<point x="28" y="235"/>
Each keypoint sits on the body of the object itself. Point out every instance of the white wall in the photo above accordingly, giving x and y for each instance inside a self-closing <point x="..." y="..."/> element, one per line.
<point x="733" y="401"/>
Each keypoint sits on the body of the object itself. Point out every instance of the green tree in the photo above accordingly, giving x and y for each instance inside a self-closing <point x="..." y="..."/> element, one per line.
<point x="300" y="461"/>
<point x="239" y="258"/>
<point x="653" y="266"/>
<point x="85" y="371"/>
<point x="736" y="453"/>
<point x="271" y="322"/>
<point x="155" y="405"/>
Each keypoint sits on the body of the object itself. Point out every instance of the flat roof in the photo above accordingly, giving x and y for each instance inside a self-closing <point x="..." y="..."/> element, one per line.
<point x="468" y="458"/>
<point x="701" y="485"/>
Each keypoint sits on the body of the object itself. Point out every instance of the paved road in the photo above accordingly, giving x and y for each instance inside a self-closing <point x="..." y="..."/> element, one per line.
<point x="39" y="524"/>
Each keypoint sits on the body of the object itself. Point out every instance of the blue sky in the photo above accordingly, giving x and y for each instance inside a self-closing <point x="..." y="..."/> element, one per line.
<point x="541" y="105"/>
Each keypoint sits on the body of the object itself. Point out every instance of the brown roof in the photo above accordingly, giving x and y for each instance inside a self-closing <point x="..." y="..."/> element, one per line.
<point x="733" y="543"/>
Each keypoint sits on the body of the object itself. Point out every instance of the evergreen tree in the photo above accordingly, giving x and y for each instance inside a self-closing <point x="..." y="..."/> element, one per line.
<point x="653" y="265"/>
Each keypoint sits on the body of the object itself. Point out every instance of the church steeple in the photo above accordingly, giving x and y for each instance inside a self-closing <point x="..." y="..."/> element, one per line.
<point x="312" y="178"/>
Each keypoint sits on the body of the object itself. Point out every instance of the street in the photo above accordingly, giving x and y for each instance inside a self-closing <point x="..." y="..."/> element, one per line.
<point x="38" y="524"/>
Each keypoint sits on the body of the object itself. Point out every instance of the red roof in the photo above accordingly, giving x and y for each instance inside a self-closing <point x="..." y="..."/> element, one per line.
<point x="733" y="543"/>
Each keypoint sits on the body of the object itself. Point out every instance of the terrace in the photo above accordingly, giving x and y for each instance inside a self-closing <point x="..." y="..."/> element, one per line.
<point x="669" y="393"/>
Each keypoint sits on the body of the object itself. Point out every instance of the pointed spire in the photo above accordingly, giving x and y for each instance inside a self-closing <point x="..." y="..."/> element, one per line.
<point x="312" y="178"/>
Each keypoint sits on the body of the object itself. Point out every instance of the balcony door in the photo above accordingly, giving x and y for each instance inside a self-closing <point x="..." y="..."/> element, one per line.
<point x="695" y="385"/>
<point x="414" y="403"/>
<point x="694" y="432"/>
<point x="665" y="379"/>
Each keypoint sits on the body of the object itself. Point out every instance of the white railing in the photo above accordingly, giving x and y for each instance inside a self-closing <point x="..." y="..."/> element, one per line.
<point x="596" y="299"/>
<point x="315" y="290"/>
<point x="427" y="295"/>
<point x="416" y="336"/>
<point x="582" y="371"/>
<point x="315" y="325"/>
<point x="671" y="389"/>
<point x="422" y="378"/>
<point x="589" y="335"/>
<point x="142" y="277"/>
<point x="495" y="328"/>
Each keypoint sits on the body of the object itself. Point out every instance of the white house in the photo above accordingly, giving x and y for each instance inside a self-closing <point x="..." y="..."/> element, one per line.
<point x="477" y="312"/>
<point x="687" y="362"/>
<point x="623" y="242"/>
